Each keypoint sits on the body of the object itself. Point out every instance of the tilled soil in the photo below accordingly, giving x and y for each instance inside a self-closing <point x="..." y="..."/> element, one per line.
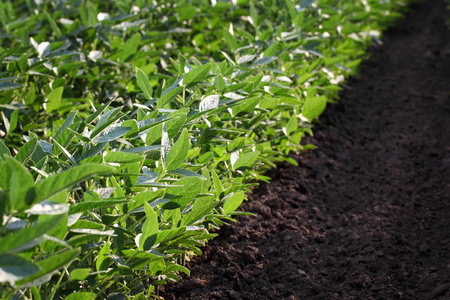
<point x="366" y="215"/>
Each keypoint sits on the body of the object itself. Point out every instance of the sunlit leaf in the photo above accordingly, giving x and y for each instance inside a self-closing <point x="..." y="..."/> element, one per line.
<point x="178" y="152"/>
<point x="233" y="202"/>
<point x="144" y="83"/>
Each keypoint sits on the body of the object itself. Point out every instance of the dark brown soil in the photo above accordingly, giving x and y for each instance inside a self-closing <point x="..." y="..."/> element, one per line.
<point x="366" y="215"/>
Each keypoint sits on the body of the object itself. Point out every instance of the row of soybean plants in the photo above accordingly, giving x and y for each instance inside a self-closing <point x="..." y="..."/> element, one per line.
<point x="130" y="129"/>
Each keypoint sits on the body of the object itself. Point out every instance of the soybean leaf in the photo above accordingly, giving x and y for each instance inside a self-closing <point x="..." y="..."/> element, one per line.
<point x="66" y="124"/>
<point x="27" y="150"/>
<point x="265" y="60"/>
<point x="185" y="192"/>
<point x="246" y="160"/>
<point x="111" y="134"/>
<point x="164" y="235"/>
<point x="122" y="157"/>
<point x="65" y="152"/>
<point x="147" y="196"/>
<point x="79" y="274"/>
<point x="149" y="228"/>
<point x="13" y="121"/>
<point x="233" y="202"/>
<point x="98" y="112"/>
<point x="48" y="267"/>
<point x="217" y="184"/>
<point x="313" y="107"/>
<point x="91" y="205"/>
<point x="58" y="182"/>
<point x="142" y="149"/>
<point x="81" y="295"/>
<point x="144" y="83"/>
<point x="209" y="102"/>
<point x="13" y="268"/>
<point x="202" y="206"/>
<point x="166" y="97"/>
<point x="28" y="234"/>
<point x="4" y="151"/>
<point x="230" y="40"/>
<point x="21" y="188"/>
<point x="52" y="23"/>
<point x="102" y="262"/>
<point x="291" y="126"/>
<point x="196" y="75"/>
<point x="178" y="152"/>
<point x="54" y="99"/>
<point x="106" y="120"/>
<point x="187" y="173"/>
<point x="8" y="85"/>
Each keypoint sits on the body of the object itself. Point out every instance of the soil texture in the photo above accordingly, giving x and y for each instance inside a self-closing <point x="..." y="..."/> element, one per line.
<point x="365" y="215"/>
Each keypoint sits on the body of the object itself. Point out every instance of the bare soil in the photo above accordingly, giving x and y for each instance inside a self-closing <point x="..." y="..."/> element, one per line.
<point x="366" y="215"/>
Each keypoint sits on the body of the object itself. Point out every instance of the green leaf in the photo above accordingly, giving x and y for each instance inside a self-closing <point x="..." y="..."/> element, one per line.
<point x="178" y="152"/>
<point x="232" y="203"/>
<point x="180" y="196"/>
<point x="90" y="205"/>
<point x="65" y="152"/>
<point x="13" y="268"/>
<point x="54" y="99"/>
<point x="144" y="83"/>
<point x="196" y="75"/>
<point x="48" y="266"/>
<point x="313" y="107"/>
<point x="98" y="112"/>
<point x="230" y="40"/>
<point x="246" y="160"/>
<point x="66" y="124"/>
<point x="202" y="206"/>
<point x="217" y="184"/>
<point x="4" y="150"/>
<point x="220" y="83"/>
<point x="28" y="234"/>
<point x="253" y="14"/>
<point x="166" y="97"/>
<point x="58" y="182"/>
<point x="165" y="235"/>
<point x="21" y="189"/>
<point x="102" y="262"/>
<point x="79" y="274"/>
<point x="149" y="228"/>
<point x="106" y="120"/>
<point x="236" y="144"/>
<point x="27" y="150"/>
<point x="122" y="157"/>
<point x="291" y="126"/>
<point x="8" y="85"/>
<point x="147" y="196"/>
<point x="13" y="121"/>
<point x="172" y="127"/>
<point x="111" y="134"/>
<point x="186" y="173"/>
<point x="142" y="149"/>
<point x="81" y="296"/>
<point x="156" y="266"/>
<point x="52" y="22"/>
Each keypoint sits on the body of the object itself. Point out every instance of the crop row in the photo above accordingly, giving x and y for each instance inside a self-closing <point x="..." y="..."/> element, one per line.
<point x="132" y="128"/>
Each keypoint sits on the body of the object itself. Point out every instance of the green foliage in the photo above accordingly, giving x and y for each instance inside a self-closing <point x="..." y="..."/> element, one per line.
<point x="130" y="131"/>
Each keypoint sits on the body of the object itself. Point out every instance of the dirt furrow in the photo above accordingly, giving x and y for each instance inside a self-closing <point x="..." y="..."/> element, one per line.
<point x="366" y="215"/>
